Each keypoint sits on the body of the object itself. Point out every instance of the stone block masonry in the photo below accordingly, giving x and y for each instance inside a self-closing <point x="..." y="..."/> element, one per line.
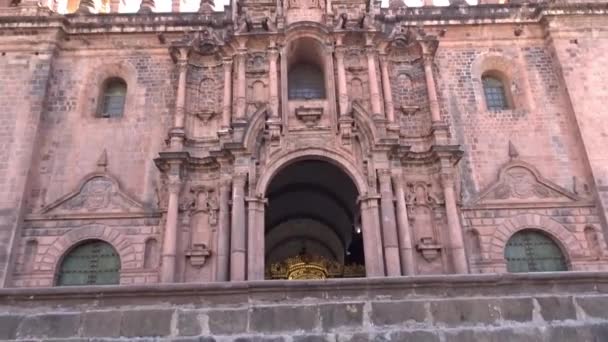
<point x="511" y="307"/>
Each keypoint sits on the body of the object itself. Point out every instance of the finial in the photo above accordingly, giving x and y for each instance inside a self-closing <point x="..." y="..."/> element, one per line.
<point x="86" y="7"/>
<point x="147" y="6"/>
<point x="513" y="154"/>
<point x="206" y="6"/>
<point x="102" y="162"/>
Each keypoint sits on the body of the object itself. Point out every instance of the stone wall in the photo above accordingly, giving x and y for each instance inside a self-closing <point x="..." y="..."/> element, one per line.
<point x="25" y="70"/>
<point x="534" y="307"/>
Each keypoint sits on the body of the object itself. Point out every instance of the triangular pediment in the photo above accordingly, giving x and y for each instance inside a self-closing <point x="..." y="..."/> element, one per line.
<point x="96" y="193"/>
<point x="519" y="182"/>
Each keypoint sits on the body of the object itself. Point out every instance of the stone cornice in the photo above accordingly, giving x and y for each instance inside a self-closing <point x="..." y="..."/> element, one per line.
<point x="222" y="293"/>
<point x="180" y="22"/>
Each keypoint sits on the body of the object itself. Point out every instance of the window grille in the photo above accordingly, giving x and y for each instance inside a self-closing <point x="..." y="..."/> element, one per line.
<point x="533" y="251"/>
<point x="494" y="91"/>
<point x="91" y="263"/>
<point x="113" y="98"/>
<point x="306" y="81"/>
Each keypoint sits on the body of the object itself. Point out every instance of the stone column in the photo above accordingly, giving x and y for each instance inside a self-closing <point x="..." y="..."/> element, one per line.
<point x="430" y="88"/>
<point x="255" y="239"/>
<point x="147" y="6"/>
<point x="389" y="226"/>
<point x="456" y="241"/>
<point x="175" y="6"/>
<point x="167" y="273"/>
<point x="237" y="235"/>
<point x="386" y="88"/>
<point x="373" y="81"/>
<point x="408" y="262"/>
<point x="177" y="132"/>
<point x="342" y="90"/>
<point x="241" y="87"/>
<point x="273" y="82"/>
<point x="223" y="243"/>
<point x="227" y="100"/>
<point x="372" y="246"/>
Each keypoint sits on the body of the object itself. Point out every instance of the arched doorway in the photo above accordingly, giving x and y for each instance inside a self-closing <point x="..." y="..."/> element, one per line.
<point x="312" y="223"/>
<point x="530" y="250"/>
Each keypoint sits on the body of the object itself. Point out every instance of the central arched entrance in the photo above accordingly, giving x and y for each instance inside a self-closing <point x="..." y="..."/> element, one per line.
<point x="312" y="223"/>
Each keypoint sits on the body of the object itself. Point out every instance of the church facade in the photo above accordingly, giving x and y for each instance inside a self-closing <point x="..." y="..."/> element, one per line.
<point x="292" y="140"/>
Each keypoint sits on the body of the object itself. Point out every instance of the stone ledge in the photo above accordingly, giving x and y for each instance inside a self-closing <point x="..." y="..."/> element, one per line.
<point x="471" y="285"/>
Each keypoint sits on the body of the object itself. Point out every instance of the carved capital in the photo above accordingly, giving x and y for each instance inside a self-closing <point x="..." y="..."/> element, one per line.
<point x="384" y="175"/>
<point x="227" y="63"/>
<point x="340" y="51"/>
<point x="180" y="55"/>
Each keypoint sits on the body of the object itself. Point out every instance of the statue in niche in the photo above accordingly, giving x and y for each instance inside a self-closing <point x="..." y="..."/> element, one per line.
<point x="421" y="205"/>
<point x="204" y="210"/>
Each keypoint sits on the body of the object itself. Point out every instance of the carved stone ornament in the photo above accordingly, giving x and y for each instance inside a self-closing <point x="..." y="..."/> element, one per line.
<point x="198" y="255"/>
<point x="98" y="193"/>
<point x="204" y="115"/>
<point x="204" y="42"/>
<point x="520" y="182"/>
<point x="310" y="116"/>
<point x="429" y="248"/>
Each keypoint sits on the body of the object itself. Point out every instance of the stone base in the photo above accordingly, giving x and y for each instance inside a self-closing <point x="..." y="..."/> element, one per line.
<point x="552" y="307"/>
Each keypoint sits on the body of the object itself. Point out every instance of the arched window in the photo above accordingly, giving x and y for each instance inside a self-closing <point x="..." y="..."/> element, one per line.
<point x="495" y="93"/>
<point x="306" y="81"/>
<point x="91" y="263"/>
<point x="113" y="98"/>
<point x="532" y="251"/>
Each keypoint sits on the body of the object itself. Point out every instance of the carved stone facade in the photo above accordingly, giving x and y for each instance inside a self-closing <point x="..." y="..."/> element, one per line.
<point x="382" y="155"/>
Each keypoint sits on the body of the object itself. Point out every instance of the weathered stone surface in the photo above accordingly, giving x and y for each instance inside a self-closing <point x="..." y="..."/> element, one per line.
<point x="594" y="306"/>
<point x="389" y="313"/>
<point x="511" y="334"/>
<point x="283" y="318"/>
<point x="228" y="322"/>
<point x="464" y="312"/>
<point x="314" y="338"/>
<point x="556" y="308"/>
<point x="259" y="339"/>
<point x="144" y="323"/>
<point x="341" y="315"/>
<point x="414" y="336"/>
<point x="101" y="324"/>
<point x="50" y="326"/>
<point x="188" y="323"/>
<point x="516" y="309"/>
<point x="8" y="326"/>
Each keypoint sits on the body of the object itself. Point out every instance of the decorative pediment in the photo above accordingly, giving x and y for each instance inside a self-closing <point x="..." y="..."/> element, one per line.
<point x="96" y="193"/>
<point x="520" y="182"/>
